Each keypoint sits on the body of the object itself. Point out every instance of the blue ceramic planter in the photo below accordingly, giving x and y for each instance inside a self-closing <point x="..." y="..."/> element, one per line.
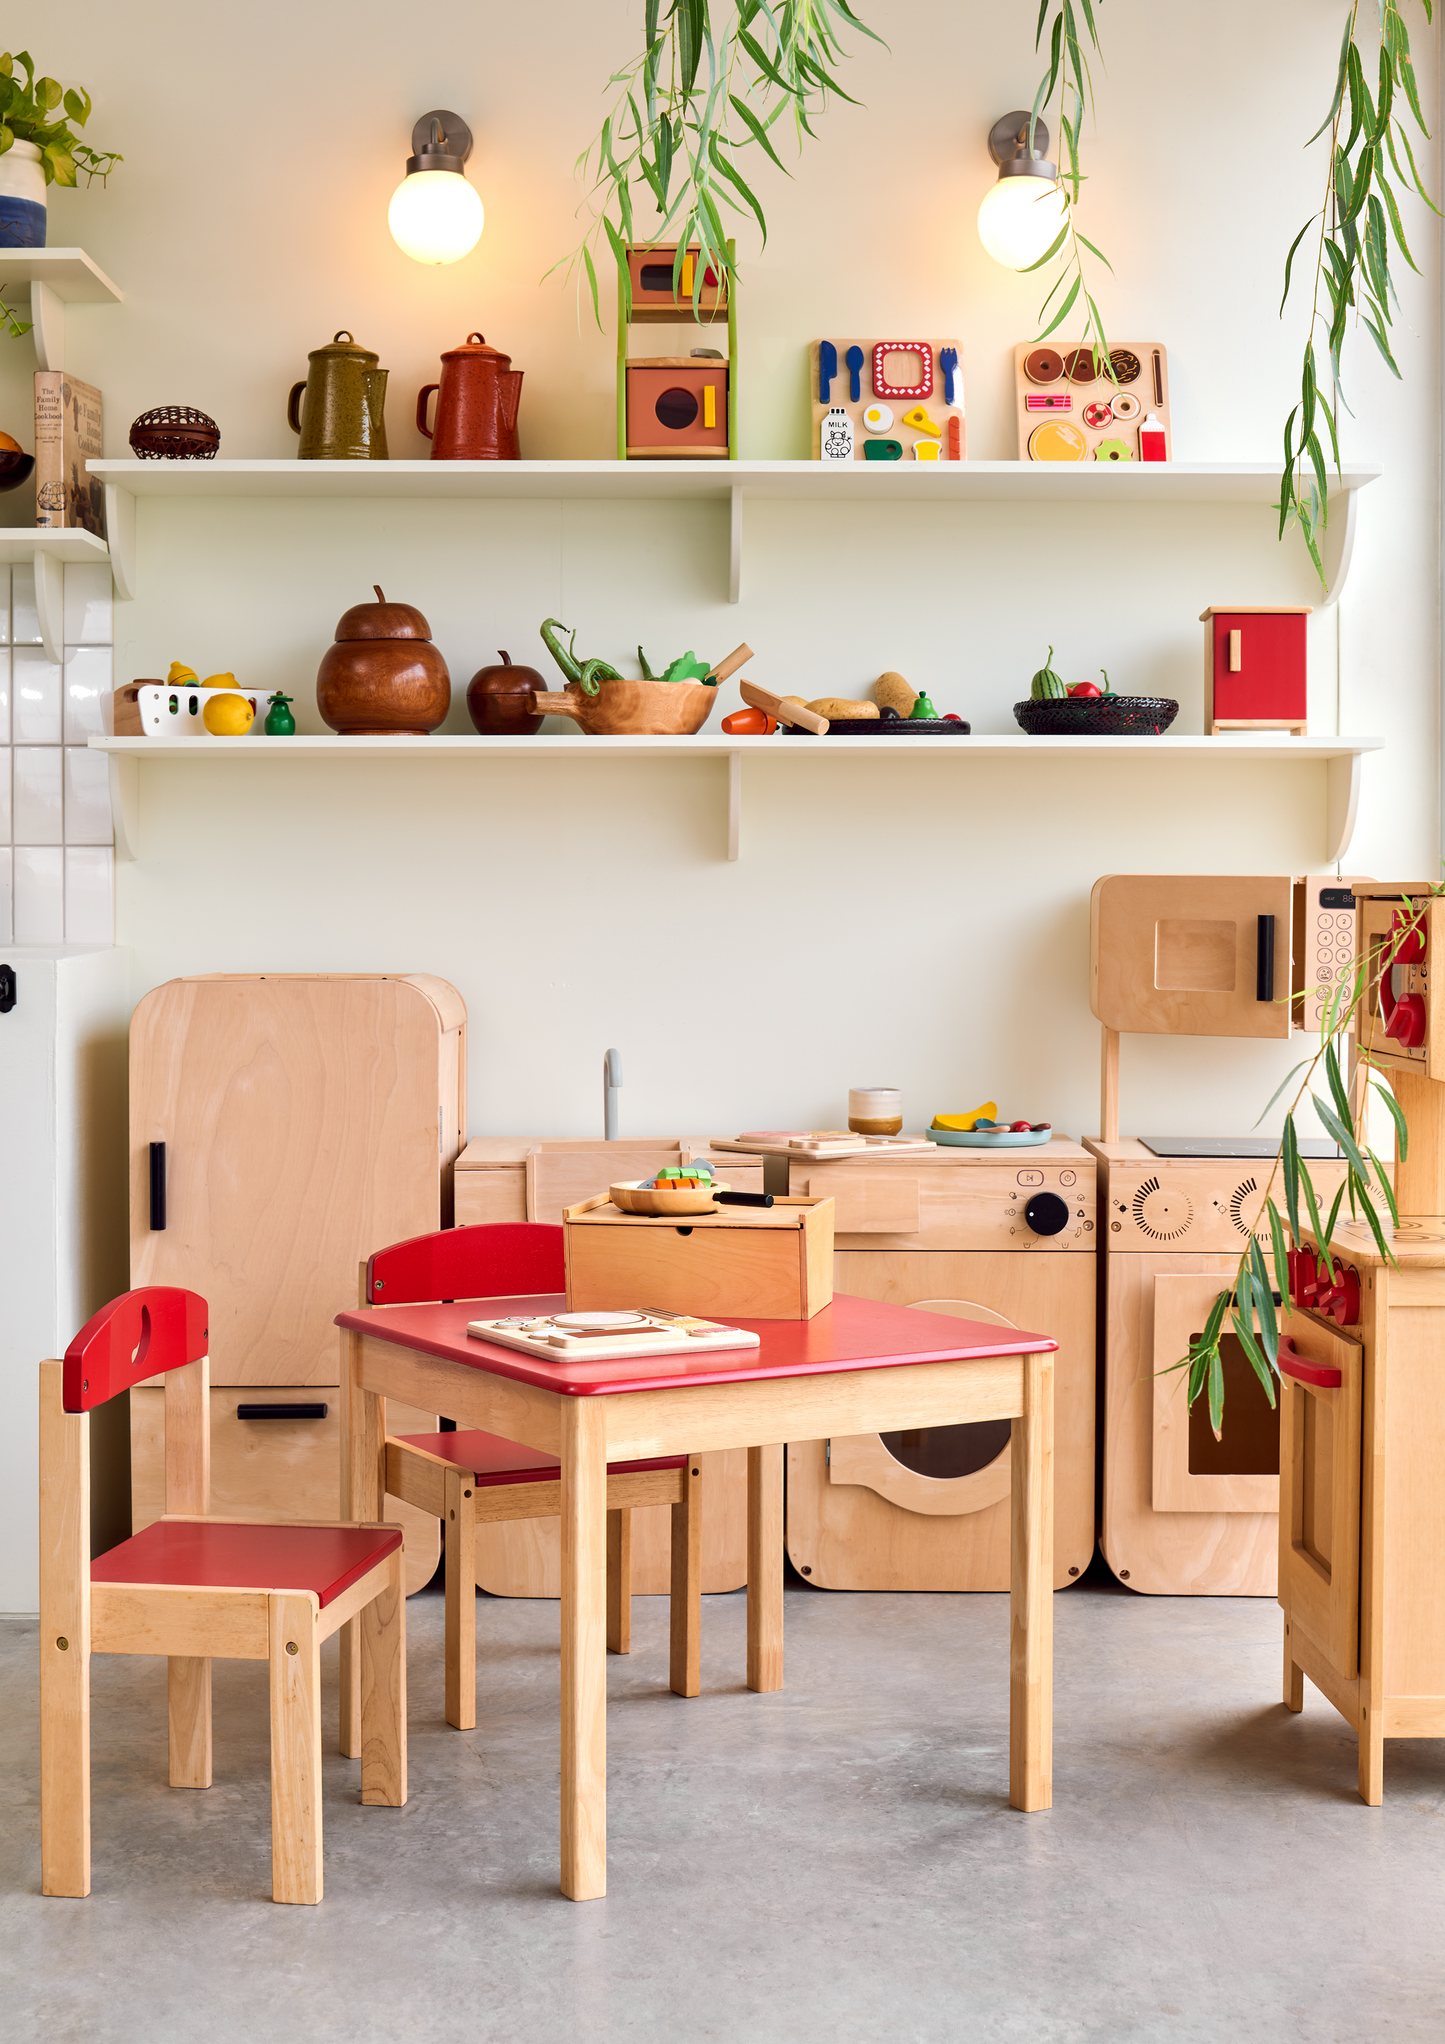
<point x="22" y="197"/>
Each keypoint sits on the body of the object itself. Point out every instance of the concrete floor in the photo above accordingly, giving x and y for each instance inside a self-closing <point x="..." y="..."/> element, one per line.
<point x="836" y="1862"/>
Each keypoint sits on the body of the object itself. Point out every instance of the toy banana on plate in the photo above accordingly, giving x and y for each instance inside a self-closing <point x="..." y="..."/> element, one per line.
<point x="980" y="1129"/>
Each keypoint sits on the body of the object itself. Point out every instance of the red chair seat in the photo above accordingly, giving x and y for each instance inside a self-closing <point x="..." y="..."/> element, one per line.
<point x="494" y="1460"/>
<point x="197" y="1554"/>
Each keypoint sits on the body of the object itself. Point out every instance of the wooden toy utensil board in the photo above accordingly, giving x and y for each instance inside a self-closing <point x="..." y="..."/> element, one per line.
<point x="582" y="1336"/>
<point x="887" y="401"/>
<point x="1071" y="409"/>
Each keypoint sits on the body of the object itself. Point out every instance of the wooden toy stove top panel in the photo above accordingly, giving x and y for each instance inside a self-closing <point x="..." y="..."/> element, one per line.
<point x="955" y="1199"/>
<point x="1152" y="1204"/>
<point x="928" y="380"/>
<point x="1068" y="412"/>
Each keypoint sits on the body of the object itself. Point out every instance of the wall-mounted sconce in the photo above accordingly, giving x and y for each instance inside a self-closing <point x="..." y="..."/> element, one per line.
<point x="1021" y="215"/>
<point x="435" y="215"/>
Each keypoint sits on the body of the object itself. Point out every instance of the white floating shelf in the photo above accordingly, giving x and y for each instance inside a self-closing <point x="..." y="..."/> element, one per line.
<point x="48" y="550"/>
<point x="731" y="482"/>
<point x="55" y="277"/>
<point x="1342" y="755"/>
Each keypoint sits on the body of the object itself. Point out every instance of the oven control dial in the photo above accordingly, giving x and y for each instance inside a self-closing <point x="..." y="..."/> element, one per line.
<point x="1046" y="1213"/>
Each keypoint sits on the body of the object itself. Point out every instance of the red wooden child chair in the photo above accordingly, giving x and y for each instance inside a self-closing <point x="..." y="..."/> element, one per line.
<point x="470" y="1477"/>
<point x="196" y="1588"/>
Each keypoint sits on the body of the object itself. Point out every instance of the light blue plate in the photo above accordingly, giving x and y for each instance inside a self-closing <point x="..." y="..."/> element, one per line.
<point x="989" y="1138"/>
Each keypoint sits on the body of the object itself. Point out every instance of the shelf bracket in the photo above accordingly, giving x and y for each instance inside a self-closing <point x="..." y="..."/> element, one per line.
<point x="50" y="605"/>
<point x="735" y="544"/>
<point x="125" y="804"/>
<point x="735" y="804"/>
<point x="120" y="537"/>
<point x="1342" y="804"/>
<point x="1341" y="572"/>
<point x="47" y="322"/>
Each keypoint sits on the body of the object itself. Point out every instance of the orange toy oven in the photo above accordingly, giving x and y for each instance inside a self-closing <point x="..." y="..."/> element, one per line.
<point x="677" y="406"/>
<point x="652" y="295"/>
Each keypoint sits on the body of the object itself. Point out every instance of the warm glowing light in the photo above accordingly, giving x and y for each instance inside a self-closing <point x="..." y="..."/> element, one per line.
<point x="1020" y="217"/>
<point x="436" y="217"/>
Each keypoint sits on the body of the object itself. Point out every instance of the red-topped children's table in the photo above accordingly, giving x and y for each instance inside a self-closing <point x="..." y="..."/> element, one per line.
<point x="856" y="1367"/>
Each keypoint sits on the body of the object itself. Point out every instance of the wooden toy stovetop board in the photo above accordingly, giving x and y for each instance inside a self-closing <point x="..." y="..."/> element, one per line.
<point x="1069" y="411"/>
<point x="887" y="401"/>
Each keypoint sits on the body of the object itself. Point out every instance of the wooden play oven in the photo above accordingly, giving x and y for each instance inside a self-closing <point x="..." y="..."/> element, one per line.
<point x="1006" y="1237"/>
<point x="677" y="405"/>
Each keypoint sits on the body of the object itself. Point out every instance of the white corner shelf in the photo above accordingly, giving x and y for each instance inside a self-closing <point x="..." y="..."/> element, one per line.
<point x="734" y="483"/>
<point x="56" y="277"/>
<point x="49" y="551"/>
<point x="1342" y="757"/>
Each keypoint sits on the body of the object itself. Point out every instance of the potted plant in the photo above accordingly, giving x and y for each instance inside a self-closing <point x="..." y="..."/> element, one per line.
<point x="39" y="147"/>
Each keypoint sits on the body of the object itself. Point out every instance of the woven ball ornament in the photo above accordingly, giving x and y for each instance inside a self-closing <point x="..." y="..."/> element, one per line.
<point x="175" y="433"/>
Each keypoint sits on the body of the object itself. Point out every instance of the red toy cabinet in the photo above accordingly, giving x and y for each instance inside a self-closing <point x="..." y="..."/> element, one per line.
<point x="1255" y="676"/>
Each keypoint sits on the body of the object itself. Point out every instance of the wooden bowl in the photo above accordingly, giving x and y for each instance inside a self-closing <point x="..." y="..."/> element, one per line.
<point x="633" y="709"/>
<point x="631" y="1197"/>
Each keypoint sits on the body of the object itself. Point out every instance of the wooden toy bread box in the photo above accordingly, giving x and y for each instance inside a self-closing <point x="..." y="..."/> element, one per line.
<point x="743" y="1263"/>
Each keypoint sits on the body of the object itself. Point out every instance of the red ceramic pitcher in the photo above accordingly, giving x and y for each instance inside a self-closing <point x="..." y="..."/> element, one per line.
<point x="477" y="402"/>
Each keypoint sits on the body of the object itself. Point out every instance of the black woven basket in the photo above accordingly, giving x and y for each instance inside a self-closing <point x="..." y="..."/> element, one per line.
<point x="1097" y="717"/>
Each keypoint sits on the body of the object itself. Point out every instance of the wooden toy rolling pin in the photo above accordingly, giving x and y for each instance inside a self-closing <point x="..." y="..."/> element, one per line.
<point x="777" y="706"/>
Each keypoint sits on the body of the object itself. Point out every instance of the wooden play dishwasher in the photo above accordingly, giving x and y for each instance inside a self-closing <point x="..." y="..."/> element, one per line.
<point x="1001" y="1236"/>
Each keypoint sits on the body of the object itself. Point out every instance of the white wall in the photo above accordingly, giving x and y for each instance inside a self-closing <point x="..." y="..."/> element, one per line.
<point x="920" y="923"/>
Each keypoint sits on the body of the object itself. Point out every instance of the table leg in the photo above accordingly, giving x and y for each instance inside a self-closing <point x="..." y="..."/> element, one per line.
<point x="1031" y="1592"/>
<point x="363" y="1497"/>
<point x="765" y="1567"/>
<point x="584" y="1648"/>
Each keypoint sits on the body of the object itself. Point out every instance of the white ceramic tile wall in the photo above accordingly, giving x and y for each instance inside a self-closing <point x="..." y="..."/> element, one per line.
<point x="57" y="869"/>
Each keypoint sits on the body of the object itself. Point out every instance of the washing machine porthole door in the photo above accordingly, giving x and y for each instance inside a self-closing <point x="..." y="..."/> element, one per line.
<point x="945" y="1452"/>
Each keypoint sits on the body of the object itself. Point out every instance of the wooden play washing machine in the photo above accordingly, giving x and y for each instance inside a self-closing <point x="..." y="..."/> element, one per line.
<point x="1182" y="1514"/>
<point x="1006" y="1236"/>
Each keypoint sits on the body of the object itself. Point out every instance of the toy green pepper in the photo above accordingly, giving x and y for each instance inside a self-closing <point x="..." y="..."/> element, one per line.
<point x="279" y="721"/>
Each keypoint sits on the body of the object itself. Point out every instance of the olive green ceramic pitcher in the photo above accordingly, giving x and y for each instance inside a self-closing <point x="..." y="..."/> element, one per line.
<point x="339" y="411"/>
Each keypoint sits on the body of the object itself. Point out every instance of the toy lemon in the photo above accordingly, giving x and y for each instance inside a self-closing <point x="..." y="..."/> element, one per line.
<point x="227" y="716"/>
<point x="180" y="674"/>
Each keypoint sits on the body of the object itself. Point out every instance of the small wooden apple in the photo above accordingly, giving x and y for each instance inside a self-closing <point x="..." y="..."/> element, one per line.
<point x="500" y="700"/>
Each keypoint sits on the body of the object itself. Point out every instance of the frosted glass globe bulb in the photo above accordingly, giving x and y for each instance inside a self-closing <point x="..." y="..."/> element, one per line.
<point x="435" y="216"/>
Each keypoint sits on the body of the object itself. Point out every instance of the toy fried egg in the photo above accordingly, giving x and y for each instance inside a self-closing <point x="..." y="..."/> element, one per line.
<point x="877" y="418"/>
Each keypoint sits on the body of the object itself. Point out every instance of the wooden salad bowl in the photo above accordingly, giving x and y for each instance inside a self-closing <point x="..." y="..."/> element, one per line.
<point x="633" y="709"/>
<point x="632" y="1197"/>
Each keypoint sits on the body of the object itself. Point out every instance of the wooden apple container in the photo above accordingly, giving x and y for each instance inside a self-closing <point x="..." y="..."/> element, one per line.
<point x="383" y="677"/>
<point x="500" y="700"/>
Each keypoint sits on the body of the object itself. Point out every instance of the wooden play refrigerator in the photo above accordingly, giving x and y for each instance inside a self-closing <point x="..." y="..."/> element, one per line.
<point x="1001" y="1236"/>
<point x="282" y="1127"/>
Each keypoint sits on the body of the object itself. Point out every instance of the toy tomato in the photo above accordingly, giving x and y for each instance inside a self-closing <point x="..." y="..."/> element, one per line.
<point x="1085" y="688"/>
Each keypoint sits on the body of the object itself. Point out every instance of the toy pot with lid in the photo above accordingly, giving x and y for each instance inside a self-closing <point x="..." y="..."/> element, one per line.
<point x="477" y="402"/>
<point x="339" y="411"/>
<point x="383" y="677"/>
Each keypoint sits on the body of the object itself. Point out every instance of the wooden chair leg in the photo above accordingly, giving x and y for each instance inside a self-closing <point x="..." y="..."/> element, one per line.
<point x="349" y="1731"/>
<point x="383" y="1691"/>
<point x="64" y="1641"/>
<point x="619" y="1582"/>
<point x="460" y="1563"/>
<point x="685" y="1674"/>
<point x="188" y="1714"/>
<point x="1294" y="1680"/>
<point x="295" y="1749"/>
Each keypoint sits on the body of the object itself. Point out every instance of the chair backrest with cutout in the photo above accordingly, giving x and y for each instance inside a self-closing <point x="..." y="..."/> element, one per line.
<point x="492" y="1260"/>
<point x="141" y="1334"/>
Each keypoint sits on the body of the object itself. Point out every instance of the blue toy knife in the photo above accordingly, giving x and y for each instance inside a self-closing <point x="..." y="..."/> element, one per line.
<point x="827" y="370"/>
<point x="948" y="363"/>
<point x="854" y="359"/>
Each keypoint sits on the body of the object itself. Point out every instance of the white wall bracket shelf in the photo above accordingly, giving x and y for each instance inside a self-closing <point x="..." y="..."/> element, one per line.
<point x="1342" y="757"/>
<point x="56" y="277"/>
<point x="48" y="551"/>
<point x="730" y="483"/>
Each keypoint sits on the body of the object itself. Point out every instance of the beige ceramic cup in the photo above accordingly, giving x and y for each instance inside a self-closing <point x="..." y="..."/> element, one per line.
<point x="875" y="1110"/>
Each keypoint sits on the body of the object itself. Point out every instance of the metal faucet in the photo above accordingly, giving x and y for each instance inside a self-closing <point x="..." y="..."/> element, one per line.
<point x="611" y="1087"/>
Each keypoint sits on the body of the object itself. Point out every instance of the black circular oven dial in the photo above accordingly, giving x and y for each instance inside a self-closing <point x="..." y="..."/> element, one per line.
<point x="1046" y="1213"/>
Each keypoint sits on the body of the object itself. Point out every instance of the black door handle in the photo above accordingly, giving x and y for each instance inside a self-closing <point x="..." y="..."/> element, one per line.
<point x="158" y="1187"/>
<point x="280" y="1412"/>
<point x="1264" y="959"/>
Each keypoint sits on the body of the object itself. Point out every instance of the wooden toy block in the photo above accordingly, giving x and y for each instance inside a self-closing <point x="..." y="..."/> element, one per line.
<point x="1255" y="670"/>
<point x="1072" y="406"/>
<point x="887" y="401"/>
